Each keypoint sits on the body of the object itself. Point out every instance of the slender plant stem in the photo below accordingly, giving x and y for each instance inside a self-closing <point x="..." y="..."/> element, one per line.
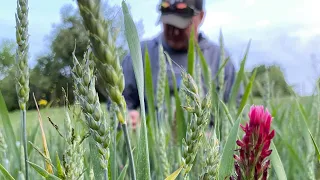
<point x="126" y="136"/>
<point x="106" y="174"/>
<point x="24" y="141"/>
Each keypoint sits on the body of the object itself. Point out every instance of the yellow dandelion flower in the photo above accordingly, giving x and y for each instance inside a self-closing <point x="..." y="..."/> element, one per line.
<point x="43" y="102"/>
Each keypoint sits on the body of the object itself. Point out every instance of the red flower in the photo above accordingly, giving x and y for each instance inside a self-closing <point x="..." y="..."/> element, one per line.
<point x="252" y="162"/>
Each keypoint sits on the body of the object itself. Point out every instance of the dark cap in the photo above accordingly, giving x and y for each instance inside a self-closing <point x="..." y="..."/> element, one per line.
<point x="179" y="12"/>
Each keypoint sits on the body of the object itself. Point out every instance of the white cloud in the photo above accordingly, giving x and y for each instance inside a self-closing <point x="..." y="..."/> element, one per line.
<point x="263" y="23"/>
<point x="249" y="3"/>
<point x="216" y="19"/>
<point x="307" y="32"/>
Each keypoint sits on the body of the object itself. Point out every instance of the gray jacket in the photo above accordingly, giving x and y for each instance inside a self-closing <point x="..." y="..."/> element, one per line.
<point x="211" y="52"/>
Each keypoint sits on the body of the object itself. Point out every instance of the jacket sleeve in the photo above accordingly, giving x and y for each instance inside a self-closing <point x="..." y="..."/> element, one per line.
<point x="130" y="91"/>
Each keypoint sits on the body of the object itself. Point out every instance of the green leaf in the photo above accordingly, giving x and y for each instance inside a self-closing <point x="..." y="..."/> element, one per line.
<point x="246" y="93"/>
<point x="304" y="115"/>
<point x="191" y="53"/>
<point x="43" y="172"/>
<point x="179" y="118"/>
<point x="9" y="133"/>
<point x="113" y="154"/>
<point x="123" y="172"/>
<point x="151" y="121"/>
<point x="175" y="174"/>
<point x="168" y="101"/>
<point x="143" y="164"/>
<point x="59" y="167"/>
<point x="315" y="146"/>
<point x="223" y="65"/>
<point x="32" y="138"/>
<point x="226" y="110"/>
<point x="95" y="159"/>
<point x="306" y="128"/>
<point x="149" y="88"/>
<point x="240" y="76"/>
<point x="276" y="163"/>
<point x="227" y="161"/>
<point x="5" y="173"/>
<point x="204" y="66"/>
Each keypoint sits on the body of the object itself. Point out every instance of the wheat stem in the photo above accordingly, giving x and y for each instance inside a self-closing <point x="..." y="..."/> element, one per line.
<point x="200" y="110"/>
<point x="24" y="135"/>
<point x="22" y="73"/>
<point x="132" y="169"/>
<point x="83" y="75"/>
<point x="106" y="60"/>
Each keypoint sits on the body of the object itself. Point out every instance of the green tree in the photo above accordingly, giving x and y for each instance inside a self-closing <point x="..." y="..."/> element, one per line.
<point x="7" y="59"/>
<point x="7" y="50"/>
<point x="273" y="77"/>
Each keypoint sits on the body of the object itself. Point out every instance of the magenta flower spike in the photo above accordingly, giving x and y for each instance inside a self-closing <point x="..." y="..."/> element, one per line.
<point x="252" y="163"/>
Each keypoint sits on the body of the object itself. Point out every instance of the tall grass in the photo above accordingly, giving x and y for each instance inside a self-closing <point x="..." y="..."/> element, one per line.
<point x="174" y="140"/>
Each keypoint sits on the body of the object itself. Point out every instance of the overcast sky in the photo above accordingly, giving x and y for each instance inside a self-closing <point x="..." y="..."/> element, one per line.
<point x="285" y="32"/>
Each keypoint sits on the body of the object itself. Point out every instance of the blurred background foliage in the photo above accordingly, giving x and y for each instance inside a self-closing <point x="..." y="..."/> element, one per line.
<point x="51" y="72"/>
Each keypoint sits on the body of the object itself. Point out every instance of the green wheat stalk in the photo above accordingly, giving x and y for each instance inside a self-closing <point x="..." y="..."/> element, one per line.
<point x="200" y="110"/>
<point x="3" y="151"/>
<point x="22" y="73"/>
<point x="107" y="62"/>
<point x="73" y="156"/>
<point x="83" y="75"/>
<point x="160" y="95"/>
<point x="211" y="163"/>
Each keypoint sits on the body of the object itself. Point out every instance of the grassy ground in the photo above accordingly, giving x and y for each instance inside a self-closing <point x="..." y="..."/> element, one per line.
<point x="57" y="114"/>
<point x="290" y="135"/>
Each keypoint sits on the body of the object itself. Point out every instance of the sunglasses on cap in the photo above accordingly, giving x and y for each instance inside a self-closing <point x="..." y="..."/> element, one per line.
<point x="178" y="8"/>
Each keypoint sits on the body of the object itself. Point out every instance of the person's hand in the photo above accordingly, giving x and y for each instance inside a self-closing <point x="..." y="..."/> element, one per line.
<point x="134" y="118"/>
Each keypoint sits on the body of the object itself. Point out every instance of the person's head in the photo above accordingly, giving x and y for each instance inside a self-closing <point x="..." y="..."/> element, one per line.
<point x="178" y="17"/>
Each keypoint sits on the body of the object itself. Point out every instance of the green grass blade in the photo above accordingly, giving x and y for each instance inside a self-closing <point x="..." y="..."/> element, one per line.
<point x="306" y="127"/>
<point x="5" y="173"/>
<point x="149" y="88"/>
<point x="175" y="174"/>
<point x="168" y="101"/>
<point x="32" y="138"/>
<point x="239" y="77"/>
<point x="123" y="172"/>
<point x="43" y="172"/>
<point x="113" y="154"/>
<point x="221" y="68"/>
<point x="59" y="167"/>
<point x="246" y="93"/>
<point x="151" y="121"/>
<point x="304" y="115"/>
<point x="315" y="146"/>
<point x="179" y="117"/>
<point x="95" y="161"/>
<point x="204" y="66"/>
<point x="277" y="163"/>
<point x="226" y="110"/>
<point x="227" y="161"/>
<point x="8" y="130"/>
<point x="143" y="164"/>
<point x="191" y="53"/>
